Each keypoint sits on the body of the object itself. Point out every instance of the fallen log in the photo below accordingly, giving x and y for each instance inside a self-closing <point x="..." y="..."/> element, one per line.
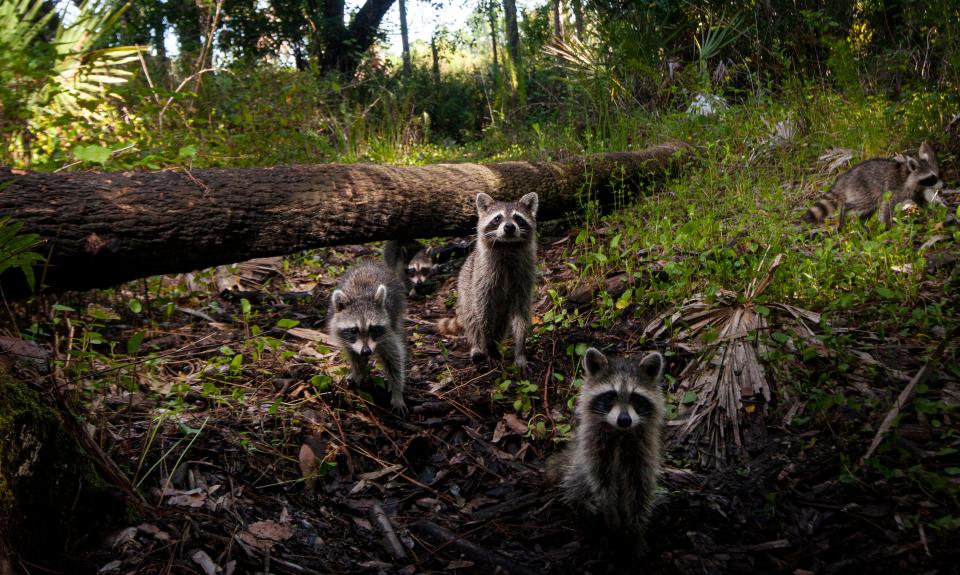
<point x="101" y="229"/>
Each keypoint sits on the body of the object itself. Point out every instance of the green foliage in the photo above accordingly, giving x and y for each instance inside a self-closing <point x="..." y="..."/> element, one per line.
<point x="17" y="250"/>
<point x="56" y="80"/>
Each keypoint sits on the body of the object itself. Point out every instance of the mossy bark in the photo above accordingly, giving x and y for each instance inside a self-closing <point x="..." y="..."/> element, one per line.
<point x="48" y="488"/>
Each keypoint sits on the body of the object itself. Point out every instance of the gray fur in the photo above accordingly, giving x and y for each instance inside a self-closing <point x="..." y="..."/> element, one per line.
<point x="371" y="295"/>
<point x="496" y="283"/>
<point x="860" y="190"/>
<point x="609" y="469"/>
<point x="411" y="260"/>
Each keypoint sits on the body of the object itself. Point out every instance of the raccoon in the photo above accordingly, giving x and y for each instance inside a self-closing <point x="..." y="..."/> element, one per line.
<point x="609" y="469"/>
<point x="496" y="282"/>
<point x="861" y="188"/>
<point x="367" y="311"/>
<point x="411" y="260"/>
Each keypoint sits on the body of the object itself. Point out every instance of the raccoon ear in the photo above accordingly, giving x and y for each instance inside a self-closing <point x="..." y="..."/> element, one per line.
<point x="339" y="300"/>
<point x="653" y="365"/>
<point x="484" y="201"/>
<point x="912" y="164"/>
<point x="594" y="362"/>
<point x="380" y="297"/>
<point x="928" y="155"/>
<point x="530" y="201"/>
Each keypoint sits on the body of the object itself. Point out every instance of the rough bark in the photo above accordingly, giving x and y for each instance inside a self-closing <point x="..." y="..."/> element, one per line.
<point x="577" y="9"/>
<point x="106" y="228"/>
<point x="47" y="487"/>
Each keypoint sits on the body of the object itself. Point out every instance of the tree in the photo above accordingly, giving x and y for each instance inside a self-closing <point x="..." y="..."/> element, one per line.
<point x="404" y="38"/>
<point x="103" y="229"/>
<point x="517" y="84"/>
<point x="344" y="44"/>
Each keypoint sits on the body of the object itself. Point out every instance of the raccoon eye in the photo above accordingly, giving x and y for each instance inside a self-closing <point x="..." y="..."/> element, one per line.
<point x="929" y="181"/>
<point x="349" y="333"/>
<point x="603" y="403"/>
<point x="641" y="404"/>
<point x="497" y="220"/>
<point x="376" y="331"/>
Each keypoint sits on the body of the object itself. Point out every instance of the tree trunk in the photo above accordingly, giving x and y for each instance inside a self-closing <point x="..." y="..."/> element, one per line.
<point x="102" y="229"/>
<point x="558" y="19"/>
<point x="404" y="38"/>
<point x="49" y="492"/>
<point x="492" y="16"/>
<point x="576" y="7"/>
<point x="513" y="32"/>
<point x="435" y="53"/>
<point x="517" y="76"/>
<point x="344" y="46"/>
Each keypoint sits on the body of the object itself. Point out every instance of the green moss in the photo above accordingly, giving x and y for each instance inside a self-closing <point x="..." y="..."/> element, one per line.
<point x="47" y="485"/>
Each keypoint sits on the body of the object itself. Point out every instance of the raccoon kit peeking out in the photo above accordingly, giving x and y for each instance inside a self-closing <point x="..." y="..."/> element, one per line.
<point x="609" y="469"/>
<point x="366" y="316"/>
<point x="411" y="260"/>
<point x="496" y="282"/>
<point x="861" y="189"/>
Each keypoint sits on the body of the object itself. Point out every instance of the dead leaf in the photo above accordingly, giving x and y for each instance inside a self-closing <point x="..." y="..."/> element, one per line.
<point x="201" y="558"/>
<point x="308" y="467"/>
<point x="515" y="423"/>
<point x="193" y="498"/>
<point x="270" y="530"/>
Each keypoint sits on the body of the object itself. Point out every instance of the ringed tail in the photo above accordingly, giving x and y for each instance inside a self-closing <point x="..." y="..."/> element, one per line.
<point x="820" y="210"/>
<point x="449" y="326"/>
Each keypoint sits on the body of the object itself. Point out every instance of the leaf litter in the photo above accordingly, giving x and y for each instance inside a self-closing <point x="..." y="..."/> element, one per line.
<point x="277" y="464"/>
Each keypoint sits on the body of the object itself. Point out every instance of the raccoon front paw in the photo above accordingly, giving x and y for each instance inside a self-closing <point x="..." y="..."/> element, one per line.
<point x="398" y="406"/>
<point x="522" y="364"/>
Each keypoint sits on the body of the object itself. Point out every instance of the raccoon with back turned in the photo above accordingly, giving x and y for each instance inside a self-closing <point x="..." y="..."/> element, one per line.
<point x="366" y="315"/>
<point x="411" y="260"/>
<point x="861" y="189"/>
<point x="495" y="285"/>
<point x="610" y="467"/>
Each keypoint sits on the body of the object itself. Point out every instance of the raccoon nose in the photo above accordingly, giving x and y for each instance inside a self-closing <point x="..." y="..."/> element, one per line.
<point x="509" y="229"/>
<point x="624" y="420"/>
<point x="366" y="351"/>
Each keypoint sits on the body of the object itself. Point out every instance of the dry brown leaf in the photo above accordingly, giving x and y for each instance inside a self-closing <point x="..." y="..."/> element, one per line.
<point x="308" y="467"/>
<point x="193" y="498"/>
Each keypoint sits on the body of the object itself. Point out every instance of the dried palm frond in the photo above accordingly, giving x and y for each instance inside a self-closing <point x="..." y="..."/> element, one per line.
<point x="835" y="158"/>
<point x="252" y="275"/>
<point x="782" y="136"/>
<point x="726" y="377"/>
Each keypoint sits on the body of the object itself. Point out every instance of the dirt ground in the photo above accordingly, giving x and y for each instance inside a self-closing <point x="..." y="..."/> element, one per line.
<point x="460" y="481"/>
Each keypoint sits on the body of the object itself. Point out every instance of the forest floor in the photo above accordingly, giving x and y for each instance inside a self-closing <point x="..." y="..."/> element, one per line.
<point x="217" y="397"/>
<point x="222" y="448"/>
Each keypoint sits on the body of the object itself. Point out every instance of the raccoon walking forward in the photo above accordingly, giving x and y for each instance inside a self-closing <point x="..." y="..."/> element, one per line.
<point x="367" y="311"/>
<point x="861" y="189"/>
<point x="496" y="282"/>
<point x="411" y="260"/>
<point x="609" y="469"/>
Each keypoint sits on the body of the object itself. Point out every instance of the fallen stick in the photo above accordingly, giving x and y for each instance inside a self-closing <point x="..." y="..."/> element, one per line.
<point x="907" y="394"/>
<point x="490" y="560"/>
<point x="506" y="507"/>
<point x="390" y="540"/>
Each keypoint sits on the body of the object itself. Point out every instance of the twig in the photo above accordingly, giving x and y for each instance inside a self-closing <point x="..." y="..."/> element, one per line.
<point x="390" y="540"/>
<point x="907" y="394"/>
<point x="490" y="560"/>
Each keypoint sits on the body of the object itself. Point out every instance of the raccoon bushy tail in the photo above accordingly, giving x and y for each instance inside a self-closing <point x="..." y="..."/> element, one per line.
<point x="821" y="209"/>
<point x="449" y="326"/>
